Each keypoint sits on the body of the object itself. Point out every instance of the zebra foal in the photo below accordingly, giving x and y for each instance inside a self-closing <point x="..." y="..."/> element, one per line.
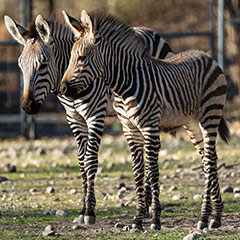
<point x="188" y="89"/>
<point x="44" y="58"/>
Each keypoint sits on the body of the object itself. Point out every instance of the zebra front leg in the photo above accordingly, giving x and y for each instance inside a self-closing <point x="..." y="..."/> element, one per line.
<point x="91" y="165"/>
<point x="80" y="132"/>
<point x="152" y="147"/>
<point x="135" y="143"/>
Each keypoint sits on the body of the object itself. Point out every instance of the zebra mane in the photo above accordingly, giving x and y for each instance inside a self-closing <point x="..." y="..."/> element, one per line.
<point x="111" y="29"/>
<point x="58" y="28"/>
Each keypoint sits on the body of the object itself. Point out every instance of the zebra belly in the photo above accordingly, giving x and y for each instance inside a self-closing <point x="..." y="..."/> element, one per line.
<point x="171" y="122"/>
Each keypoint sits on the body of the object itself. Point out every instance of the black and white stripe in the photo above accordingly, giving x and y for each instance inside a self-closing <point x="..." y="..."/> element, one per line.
<point x="153" y="95"/>
<point x="46" y="53"/>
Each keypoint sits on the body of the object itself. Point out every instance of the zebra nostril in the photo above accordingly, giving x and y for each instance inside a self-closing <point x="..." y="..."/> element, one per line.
<point x="63" y="88"/>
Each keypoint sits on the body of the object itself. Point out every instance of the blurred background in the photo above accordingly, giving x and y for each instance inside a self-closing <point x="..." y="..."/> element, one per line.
<point x="185" y="24"/>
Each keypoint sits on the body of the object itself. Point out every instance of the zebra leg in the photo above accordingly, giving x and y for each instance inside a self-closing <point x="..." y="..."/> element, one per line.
<point x="212" y="197"/>
<point x="148" y="197"/>
<point x="95" y="131"/>
<point x="152" y="146"/>
<point x="80" y="132"/>
<point x="135" y="143"/>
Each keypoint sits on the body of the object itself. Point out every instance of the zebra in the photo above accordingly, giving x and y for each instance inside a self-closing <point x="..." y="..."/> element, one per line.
<point x="44" y="58"/>
<point x="187" y="90"/>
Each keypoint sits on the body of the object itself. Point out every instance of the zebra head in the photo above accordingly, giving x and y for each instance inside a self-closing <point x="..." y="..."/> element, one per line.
<point x="34" y="61"/>
<point x="86" y="62"/>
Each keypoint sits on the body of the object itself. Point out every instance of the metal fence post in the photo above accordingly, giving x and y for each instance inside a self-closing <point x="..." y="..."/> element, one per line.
<point x="211" y="20"/>
<point x="22" y="113"/>
<point x="221" y="33"/>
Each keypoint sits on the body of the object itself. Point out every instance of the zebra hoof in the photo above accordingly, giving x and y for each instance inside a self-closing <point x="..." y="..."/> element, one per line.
<point x="89" y="219"/>
<point x="201" y="225"/>
<point x="214" y="224"/>
<point x="81" y="219"/>
<point x="155" y="227"/>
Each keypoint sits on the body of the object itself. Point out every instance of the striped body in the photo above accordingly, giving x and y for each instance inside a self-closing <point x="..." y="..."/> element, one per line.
<point x="187" y="90"/>
<point x="43" y="62"/>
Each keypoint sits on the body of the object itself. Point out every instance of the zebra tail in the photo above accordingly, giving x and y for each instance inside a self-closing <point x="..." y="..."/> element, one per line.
<point x="224" y="131"/>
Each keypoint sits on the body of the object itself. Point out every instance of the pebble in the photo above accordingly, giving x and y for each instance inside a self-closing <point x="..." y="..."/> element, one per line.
<point x="100" y="170"/>
<point x="236" y="195"/>
<point x="177" y="197"/>
<point x="48" y="233"/>
<point x="41" y="151"/>
<point x="33" y="190"/>
<point x="236" y="190"/>
<point x="75" y="220"/>
<point x="3" y="179"/>
<point x="119" y="225"/>
<point x="48" y="228"/>
<point x="168" y="210"/>
<point x="120" y="185"/>
<point x="110" y="165"/>
<point x="178" y="165"/>
<point x="191" y="236"/>
<point x="172" y="188"/>
<point x="46" y="211"/>
<point x="73" y="191"/>
<point x="197" y="196"/>
<point x="75" y="226"/>
<point x="61" y="212"/>
<point x="127" y="228"/>
<point x="50" y="190"/>
<point x="227" y="189"/>
<point x="206" y="230"/>
<point x="11" y="168"/>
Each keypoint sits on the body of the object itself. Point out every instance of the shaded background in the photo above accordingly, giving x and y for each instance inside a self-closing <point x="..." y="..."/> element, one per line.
<point x="164" y="16"/>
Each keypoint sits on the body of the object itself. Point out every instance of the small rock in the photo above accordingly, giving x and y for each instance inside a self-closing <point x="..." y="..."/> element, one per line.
<point x="46" y="211"/>
<point x="99" y="170"/>
<point x="61" y="212"/>
<point x="3" y="179"/>
<point x="191" y="236"/>
<point x="236" y="190"/>
<point x="177" y="197"/>
<point x="75" y="226"/>
<point x="52" y="212"/>
<point x="172" y="188"/>
<point x="227" y="189"/>
<point x="75" y="220"/>
<point x="48" y="233"/>
<point x="122" y="176"/>
<point x="166" y="177"/>
<point x="50" y="190"/>
<point x="11" y="168"/>
<point x="206" y="230"/>
<point x="127" y="228"/>
<point x="120" y="185"/>
<point x="119" y="225"/>
<point x="48" y="228"/>
<point x="134" y="230"/>
<point x="41" y="151"/>
<point x="119" y="205"/>
<point x="22" y="175"/>
<point x="167" y="210"/>
<point x="178" y="165"/>
<point x="197" y="196"/>
<point x="236" y="195"/>
<point x="73" y="191"/>
<point x="110" y="165"/>
<point x="33" y="190"/>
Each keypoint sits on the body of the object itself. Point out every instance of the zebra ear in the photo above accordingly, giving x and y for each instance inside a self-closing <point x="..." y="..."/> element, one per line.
<point x="15" y="30"/>
<point x="87" y="22"/>
<point x="73" y="23"/>
<point x="42" y="28"/>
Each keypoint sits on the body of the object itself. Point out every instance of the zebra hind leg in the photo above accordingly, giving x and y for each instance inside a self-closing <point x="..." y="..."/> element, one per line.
<point x="152" y="147"/>
<point x="212" y="203"/>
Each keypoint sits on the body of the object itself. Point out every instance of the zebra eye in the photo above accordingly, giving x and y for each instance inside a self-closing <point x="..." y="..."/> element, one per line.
<point x="81" y="58"/>
<point x="42" y="66"/>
